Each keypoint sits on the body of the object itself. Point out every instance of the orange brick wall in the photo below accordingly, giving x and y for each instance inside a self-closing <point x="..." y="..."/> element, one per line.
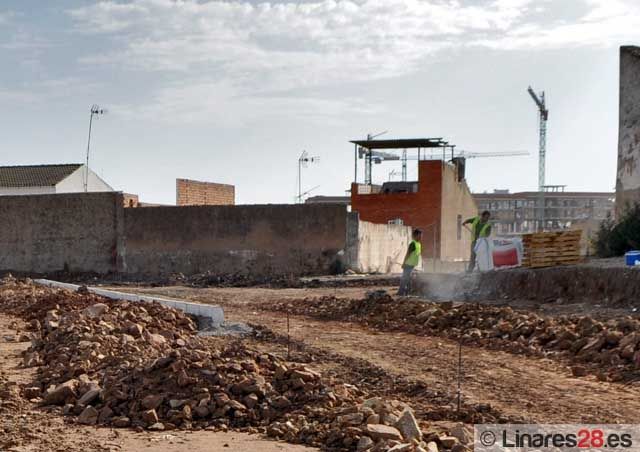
<point x="130" y="200"/>
<point x="197" y="193"/>
<point x="419" y="210"/>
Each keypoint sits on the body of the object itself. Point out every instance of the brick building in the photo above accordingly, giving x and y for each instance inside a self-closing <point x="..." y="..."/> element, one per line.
<point x="514" y="213"/>
<point x="438" y="202"/>
<point x="197" y="193"/>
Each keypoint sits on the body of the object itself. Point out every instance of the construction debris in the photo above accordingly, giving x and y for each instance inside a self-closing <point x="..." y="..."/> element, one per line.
<point x="142" y="366"/>
<point x="211" y="279"/>
<point x="608" y="349"/>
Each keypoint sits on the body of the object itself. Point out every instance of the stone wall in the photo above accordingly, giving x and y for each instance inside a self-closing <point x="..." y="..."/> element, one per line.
<point x="252" y="239"/>
<point x="628" y="176"/>
<point x="48" y="233"/>
<point x="95" y="233"/>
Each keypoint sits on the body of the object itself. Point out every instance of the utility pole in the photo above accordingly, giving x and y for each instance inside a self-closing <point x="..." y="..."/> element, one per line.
<point x="544" y="115"/>
<point x="95" y="111"/>
<point x="404" y="165"/>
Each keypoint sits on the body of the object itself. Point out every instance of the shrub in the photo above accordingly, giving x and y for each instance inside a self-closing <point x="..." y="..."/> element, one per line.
<point x="615" y="239"/>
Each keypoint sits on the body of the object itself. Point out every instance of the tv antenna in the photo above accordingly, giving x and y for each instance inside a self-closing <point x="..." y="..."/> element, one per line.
<point x="96" y="110"/>
<point x="303" y="162"/>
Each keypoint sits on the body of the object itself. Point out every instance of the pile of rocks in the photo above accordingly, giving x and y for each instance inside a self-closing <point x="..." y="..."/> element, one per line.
<point x="141" y="365"/>
<point x="377" y="425"/>
<point x="610" y="349"/>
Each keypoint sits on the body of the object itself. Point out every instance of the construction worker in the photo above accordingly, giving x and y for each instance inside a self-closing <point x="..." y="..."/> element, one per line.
<point x="480" y="227"/>
<point x="411" y="260"/>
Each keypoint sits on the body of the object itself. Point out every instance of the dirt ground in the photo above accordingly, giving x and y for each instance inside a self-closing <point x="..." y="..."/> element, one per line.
<point x="421" y="370"/>
<point x="518" y="388"/>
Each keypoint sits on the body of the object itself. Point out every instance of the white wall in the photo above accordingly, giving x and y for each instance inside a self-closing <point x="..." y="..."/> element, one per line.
<point x="74" y="183"/>
<point x="456" y="200"/>
<point x="381" y="247"/>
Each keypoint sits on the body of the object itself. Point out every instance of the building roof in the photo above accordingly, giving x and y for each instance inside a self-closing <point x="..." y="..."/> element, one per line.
<point x="35" y="175"/>
<point x="320" y="199"/>
<point x="548" y="194"/>
<point x="404" y="143"/>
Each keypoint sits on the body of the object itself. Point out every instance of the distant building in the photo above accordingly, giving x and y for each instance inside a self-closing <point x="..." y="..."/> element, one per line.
<point x="514" y="213"/>
<point x="197" y="193"/>
<point x="48" y="179"/>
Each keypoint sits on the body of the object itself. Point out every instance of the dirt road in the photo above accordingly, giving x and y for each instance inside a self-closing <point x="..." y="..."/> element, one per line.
<point x="518" y="388"/>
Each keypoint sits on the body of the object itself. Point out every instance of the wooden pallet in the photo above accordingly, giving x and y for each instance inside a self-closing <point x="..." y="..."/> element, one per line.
<point x="547" y="249"/>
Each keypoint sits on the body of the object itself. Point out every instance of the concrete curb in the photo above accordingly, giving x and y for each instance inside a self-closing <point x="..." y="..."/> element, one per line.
<point x="213" y="312"/>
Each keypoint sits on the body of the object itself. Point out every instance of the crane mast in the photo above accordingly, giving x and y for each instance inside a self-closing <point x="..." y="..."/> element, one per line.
<point x="544" y="115"/>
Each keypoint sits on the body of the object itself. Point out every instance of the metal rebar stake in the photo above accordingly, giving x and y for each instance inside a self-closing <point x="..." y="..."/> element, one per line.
<point x="288" y="338"/>
<point x="459" y="371"/>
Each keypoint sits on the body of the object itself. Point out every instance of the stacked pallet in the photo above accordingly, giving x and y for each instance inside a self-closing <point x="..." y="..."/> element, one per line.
<point x="546" y="249"/>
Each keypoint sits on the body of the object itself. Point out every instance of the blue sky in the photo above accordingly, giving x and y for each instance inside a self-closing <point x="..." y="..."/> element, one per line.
<point x="233" y="91"/>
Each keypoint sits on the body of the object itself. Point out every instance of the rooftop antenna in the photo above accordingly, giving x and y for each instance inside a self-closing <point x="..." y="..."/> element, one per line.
<point x="310" y="190"/>
<point x="96" y="110"/>
<point x="544" y="115"/>
<point x="303" y="161"/>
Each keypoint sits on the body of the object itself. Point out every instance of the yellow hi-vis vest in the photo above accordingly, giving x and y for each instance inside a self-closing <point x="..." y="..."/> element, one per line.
<point x="414" y="258"/>
<point x="484" y="229"/>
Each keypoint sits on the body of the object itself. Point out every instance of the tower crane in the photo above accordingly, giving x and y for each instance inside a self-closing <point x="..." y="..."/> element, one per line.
<point x="544" y="115"/>
<point x="473" y="155"/>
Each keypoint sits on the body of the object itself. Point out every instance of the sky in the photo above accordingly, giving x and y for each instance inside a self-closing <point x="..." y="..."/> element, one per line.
<point x="234" y="91"/>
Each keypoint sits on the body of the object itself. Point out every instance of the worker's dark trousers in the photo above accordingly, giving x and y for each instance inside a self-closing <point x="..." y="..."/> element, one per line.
<point x="405" y="282"/>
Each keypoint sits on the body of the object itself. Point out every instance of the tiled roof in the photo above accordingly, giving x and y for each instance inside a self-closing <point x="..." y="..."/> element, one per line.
<point x="35" y="175"/>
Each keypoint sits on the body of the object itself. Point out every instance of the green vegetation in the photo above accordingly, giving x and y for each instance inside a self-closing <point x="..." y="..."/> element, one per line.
<point x="615" y="239"/>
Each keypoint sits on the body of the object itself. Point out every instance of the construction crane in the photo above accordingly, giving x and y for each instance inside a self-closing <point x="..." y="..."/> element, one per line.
<point x="454" y="155"/>
<point x="473" y="155"/>
<point x="544" y="115"/>
<point x="372" y="156"/>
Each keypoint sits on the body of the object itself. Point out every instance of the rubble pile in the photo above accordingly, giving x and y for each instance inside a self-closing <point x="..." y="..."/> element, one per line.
<point x="212" y="279"/>
<point x="609" y="349"/>
<point x="124" y="364"/>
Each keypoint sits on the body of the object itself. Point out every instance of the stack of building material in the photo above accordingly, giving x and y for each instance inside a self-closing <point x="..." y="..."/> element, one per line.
<point x="546" y="249"/>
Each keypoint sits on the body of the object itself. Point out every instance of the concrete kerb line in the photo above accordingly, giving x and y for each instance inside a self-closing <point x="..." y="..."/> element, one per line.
<point x="214" y="314"/>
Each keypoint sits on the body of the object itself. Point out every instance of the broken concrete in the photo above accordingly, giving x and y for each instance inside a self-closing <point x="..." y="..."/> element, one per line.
<point x="214" y="313"/>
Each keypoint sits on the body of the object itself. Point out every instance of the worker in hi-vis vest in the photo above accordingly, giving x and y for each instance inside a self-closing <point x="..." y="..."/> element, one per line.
<point x="411" y="261"/>
<point x="480" y="227"/>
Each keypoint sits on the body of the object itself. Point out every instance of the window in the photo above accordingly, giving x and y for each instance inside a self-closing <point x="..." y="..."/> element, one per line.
<point x="459" y="227"/>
